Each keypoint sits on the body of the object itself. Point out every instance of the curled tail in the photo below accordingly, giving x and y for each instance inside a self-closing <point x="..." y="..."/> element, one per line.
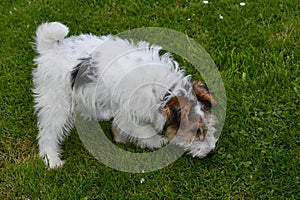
<point x="48" y="34"/>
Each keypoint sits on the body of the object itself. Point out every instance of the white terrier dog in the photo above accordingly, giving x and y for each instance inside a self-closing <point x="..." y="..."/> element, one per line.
<point x="107" y="77"/>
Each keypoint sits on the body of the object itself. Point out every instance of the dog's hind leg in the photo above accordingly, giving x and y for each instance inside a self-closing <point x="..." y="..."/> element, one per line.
<point x="54" y="122"/>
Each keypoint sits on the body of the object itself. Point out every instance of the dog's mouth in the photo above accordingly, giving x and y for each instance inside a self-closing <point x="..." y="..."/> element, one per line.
<point x="199" y="142"/>
<point x="197" y="134"/>
<point x="197" y="146"/>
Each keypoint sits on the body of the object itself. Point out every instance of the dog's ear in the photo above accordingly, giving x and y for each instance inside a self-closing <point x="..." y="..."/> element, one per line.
<point x="177" y="111"/>
<point x="203" y="95"/>
<point x="171" y="131"/>
<point x="170" y="109"/>
<point x="185" y="110"/>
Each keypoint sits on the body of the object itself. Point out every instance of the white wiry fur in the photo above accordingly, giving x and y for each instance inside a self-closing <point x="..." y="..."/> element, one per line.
<point x="115" y="79"/>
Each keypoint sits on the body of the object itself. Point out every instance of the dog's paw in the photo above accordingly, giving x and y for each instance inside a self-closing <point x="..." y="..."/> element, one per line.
<point x="57" y="164"/>
<point x="53" y="163"/>
<point x="154" y="142"/>
<point x="164" y="141"/>
<point x="118" y="137"/>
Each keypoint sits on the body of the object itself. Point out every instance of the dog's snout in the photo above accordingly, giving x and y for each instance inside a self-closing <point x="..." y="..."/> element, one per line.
<point x="211" y="153"/>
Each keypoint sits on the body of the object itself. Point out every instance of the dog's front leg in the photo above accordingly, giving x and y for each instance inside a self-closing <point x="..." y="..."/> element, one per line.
<point x="143" y="136"/>
<point x="147" y="137"/>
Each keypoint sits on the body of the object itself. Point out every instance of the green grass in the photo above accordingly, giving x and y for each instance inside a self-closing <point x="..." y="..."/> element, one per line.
<point x="256" y="48"/>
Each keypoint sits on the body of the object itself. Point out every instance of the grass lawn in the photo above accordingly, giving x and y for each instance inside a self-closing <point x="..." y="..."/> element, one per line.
<point x="257" y="50"/>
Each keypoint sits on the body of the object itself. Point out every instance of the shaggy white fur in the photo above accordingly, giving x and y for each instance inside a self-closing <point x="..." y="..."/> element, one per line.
<point x="108" y="77"/>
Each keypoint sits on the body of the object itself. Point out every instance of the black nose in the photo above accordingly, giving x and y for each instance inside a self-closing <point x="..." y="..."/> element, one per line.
<point x="211" y="153"/>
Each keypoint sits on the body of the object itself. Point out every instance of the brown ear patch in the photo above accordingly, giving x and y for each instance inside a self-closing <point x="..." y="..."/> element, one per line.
<point x="203" y="95"/>
<point x="169" y="109"/>
<point x="171" y="131"/>
<point x="177" y="110"/>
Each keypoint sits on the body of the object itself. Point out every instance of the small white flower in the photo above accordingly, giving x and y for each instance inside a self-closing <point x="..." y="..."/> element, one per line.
<point x="142" y="180"/>
<point x="244" y="76"/>
<point x="221" y="16"/>
<point x="205" y="2"/>
<point x="189" y="19"/>
<point x="242" y="4"/>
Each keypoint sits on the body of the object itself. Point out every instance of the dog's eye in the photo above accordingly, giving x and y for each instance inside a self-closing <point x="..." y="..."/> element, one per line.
<point x="196" y="131"/>
<point x="200" y="133"/>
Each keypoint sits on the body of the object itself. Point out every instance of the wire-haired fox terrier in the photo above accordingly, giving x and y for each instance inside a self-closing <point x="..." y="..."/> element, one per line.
<point x="144" y="92"/>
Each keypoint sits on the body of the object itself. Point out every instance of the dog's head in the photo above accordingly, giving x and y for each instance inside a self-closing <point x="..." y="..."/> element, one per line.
<point x="190" y="122"/>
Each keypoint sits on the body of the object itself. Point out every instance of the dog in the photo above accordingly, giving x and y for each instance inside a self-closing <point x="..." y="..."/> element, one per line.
<point x="145" y="93"/>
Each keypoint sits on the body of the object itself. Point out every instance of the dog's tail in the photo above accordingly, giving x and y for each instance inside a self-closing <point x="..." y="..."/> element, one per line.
<point x="48" y="34"/>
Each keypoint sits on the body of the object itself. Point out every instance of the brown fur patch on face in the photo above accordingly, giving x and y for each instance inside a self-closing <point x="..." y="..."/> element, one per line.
<point x="184" y="122"/>
<point x="171" y="131"/>
<point x="177" y="111"/>
<point x="181" y="120"/>
<point x="203" y="95"/>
